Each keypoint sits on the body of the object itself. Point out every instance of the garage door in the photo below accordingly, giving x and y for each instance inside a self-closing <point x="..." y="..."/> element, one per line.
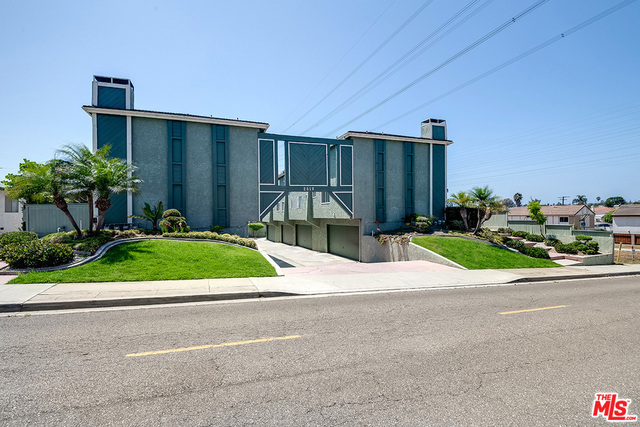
<point x="344" y="240"/>
<point x="303" y="236"/>
<point x="271" y="232"/>
<point x="287" y="234"/>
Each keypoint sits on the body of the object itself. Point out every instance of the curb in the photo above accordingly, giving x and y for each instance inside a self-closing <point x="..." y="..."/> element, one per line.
<point x="572" y="277"/>
<point x="139" y="301"/>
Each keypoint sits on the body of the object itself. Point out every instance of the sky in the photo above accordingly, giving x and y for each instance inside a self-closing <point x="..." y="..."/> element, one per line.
<point x="558" y="119"/>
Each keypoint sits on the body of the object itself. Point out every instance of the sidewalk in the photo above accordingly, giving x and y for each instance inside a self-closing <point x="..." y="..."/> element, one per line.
<point x="351" y="277"/>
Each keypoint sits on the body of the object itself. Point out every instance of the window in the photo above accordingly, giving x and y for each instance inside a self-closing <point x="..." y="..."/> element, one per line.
<point x="564" y="219"/>
<point x="10" y="205"/>
<point x="325" y="197"/>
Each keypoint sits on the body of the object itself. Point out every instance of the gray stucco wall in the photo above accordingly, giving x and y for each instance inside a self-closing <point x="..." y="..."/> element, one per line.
<point x="199" y="188"/>
<point x="395" y="184"/>
<point x="149" y="152"/>
<point x="243" y="179"/>
<point x="364" y="183"/>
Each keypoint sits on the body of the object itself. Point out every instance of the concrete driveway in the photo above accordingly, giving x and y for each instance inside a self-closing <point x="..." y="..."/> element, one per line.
<point x="295" y="260"/>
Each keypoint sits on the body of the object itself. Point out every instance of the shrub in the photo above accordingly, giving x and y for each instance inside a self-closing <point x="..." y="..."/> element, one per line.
<point x="515" y="244"/>
<point x="535" y="252"/>
<point x="126" y="234"/>
<point x="62" y="237"/>
<point x="583" y="238"/>
<point x="519" y="234"/>
<point x="37" y="254"/>
<point x="551" y="242"/>
<point x="256" y="226"/>
<point x="456" y="224"/>
<point x="535" y="238"/>
<point x="505" y="230"/>
<point x="566" y="249"/>
<point x="16" y="237"/>
<point x="171" y="212"/>
<point x="174" y="224"/>
<point x="593" y="246"/>
<point x="589" y="252"/>
<point x="218" y="228"/>
<point x="209" y="235"/>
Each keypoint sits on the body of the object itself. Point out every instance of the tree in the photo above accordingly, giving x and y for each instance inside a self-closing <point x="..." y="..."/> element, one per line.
<point x="80" y="162"/>
<point x="508" y="203"/>
<point x="518" y="199"/>
<point x="613" y="201"/>
<point x="21" y="190"/>
<point x="112" y="176"/>
<point x="580" y="199"/>
<point x="486" y="203"/>
<point x="608" y="217"/>
<point x="463" y="201"/>
<point x="43" y="182"/>
<point x="535" y="213"/>
<point x="152" y="214"/>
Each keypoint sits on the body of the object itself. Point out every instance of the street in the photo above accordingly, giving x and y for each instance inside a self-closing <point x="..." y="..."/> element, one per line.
<point x="471" y="356"/>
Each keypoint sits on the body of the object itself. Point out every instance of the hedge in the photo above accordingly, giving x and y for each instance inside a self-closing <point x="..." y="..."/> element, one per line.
<point x="37" y="254"/>
<point x="209" y="235"/>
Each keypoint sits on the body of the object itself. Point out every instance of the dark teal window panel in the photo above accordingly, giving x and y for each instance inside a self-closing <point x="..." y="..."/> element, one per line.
<point x="177" y="195"/>
<point x="438" y="133"/>
<point x="380" y="167"/>
<point x="111" y="97"/>
<point x="177" y="167"/>
<point x="267" y="162"/>
<point x="220" y="163"/>
<point x="112" y="130"/>
<point x="346" y="165"/>
<point x="439" y="180"/>
<point x="176" y="150"/>
<point x="308" y="164"/>
<point x="409" y="199"/>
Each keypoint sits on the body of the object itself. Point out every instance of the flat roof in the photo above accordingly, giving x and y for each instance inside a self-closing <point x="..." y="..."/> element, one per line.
<point x="390" y="137"/>
<point x="175" y="116"/>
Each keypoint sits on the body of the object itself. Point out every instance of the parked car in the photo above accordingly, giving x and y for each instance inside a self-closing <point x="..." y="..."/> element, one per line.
<point x="604" y="226"/>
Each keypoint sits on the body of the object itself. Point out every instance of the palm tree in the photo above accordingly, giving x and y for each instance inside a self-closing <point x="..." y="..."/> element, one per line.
<point x="463" y="201"/>
<point x="80" y="162"/>
<point x="48" y="181"/>
<point x="152" y="214"/>
<point x="486" y="203"/>
<point x="518" y="199"/>
<point x="112" y="176"/>
<point x="580" y="199"/>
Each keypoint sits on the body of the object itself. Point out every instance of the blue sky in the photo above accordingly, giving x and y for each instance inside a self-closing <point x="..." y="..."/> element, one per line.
<point x="562" y="121"/>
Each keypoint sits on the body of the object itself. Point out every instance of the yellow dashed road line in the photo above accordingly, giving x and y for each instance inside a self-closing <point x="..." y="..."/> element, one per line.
<point x="532" y="309"/>
<point x="201" y="347"/>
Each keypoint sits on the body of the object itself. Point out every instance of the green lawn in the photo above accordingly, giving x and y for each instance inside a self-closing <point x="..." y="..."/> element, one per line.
<point x="161" y="260"/>
<point x="476" y="255"/>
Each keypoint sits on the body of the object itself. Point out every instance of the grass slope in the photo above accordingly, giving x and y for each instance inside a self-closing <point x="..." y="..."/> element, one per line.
<point x="476" y="255"/>
<point x="161" y="260"/>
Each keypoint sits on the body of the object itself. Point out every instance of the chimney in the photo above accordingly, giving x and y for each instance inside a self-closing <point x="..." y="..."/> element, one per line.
<point x="434" y="129"/>
<point x="112" y="92"/>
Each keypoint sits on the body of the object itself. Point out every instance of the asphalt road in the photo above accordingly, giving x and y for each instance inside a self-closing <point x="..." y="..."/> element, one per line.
<point x="445" y="357"/>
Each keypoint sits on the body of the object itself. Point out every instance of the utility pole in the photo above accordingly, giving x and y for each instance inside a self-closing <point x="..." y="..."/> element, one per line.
<point x="562" y="198"/>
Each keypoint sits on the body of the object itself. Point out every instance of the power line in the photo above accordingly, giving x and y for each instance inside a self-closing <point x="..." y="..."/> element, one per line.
<point x="371" y="55"/>
<point x="511" y="61"/>
<point x="405" y="59"/>
<point x="339" y="61"/>
<point x="562" y="198"/>
<point x="459" y="54"/>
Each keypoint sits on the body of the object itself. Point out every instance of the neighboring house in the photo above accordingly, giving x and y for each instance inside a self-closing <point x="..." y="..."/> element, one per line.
<point x="600" y="212"/>
<point x="10" y="213"/>
<point x="626" y="224"/>
<point x="320" y="193"/>
<point x="580" y="216"/>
